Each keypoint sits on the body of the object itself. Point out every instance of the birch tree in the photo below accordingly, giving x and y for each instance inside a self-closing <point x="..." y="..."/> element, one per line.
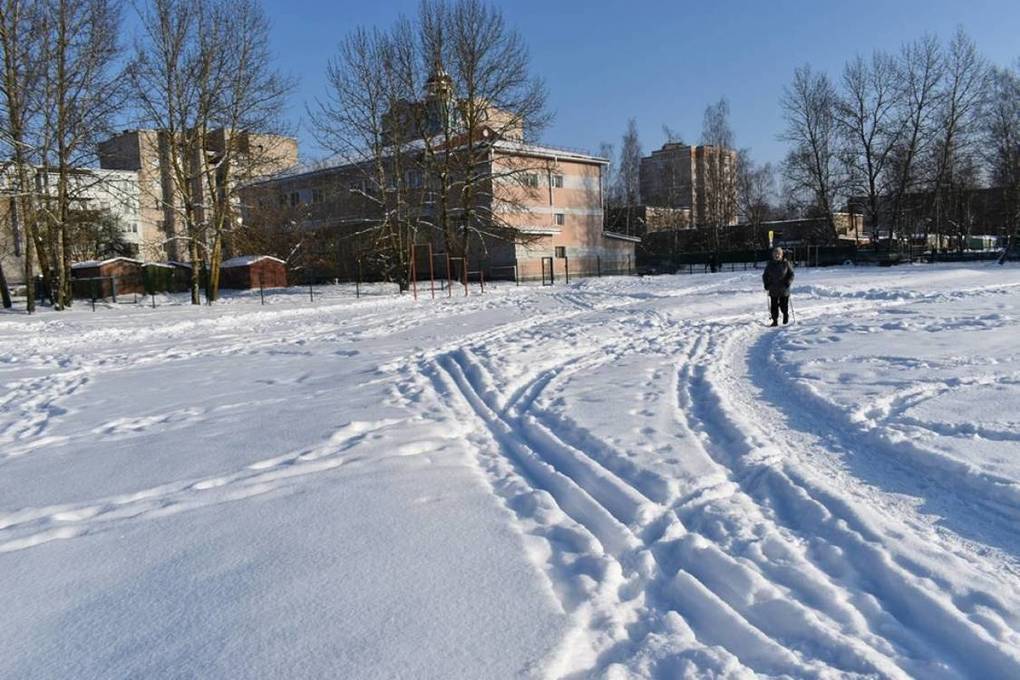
<point x="21" y="42"/>
<point x="82" y="93"/>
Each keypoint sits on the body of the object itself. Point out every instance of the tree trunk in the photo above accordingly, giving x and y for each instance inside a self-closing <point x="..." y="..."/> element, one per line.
<point x="5" y="293"/>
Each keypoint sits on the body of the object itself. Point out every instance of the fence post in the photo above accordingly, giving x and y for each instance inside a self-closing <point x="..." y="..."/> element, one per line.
<point x="262" y="289"/>
<point x="113" y="288"/>
<point x="432" y="274"/>
<point x="153" y="299"/>
<point x="566" y="269"/>
<point x="412" y="270"/>
<point x="598" y="266"/>
<point x="357" y="282"/>
<point x="92" y="287"/>
<point x="481" y="278"/>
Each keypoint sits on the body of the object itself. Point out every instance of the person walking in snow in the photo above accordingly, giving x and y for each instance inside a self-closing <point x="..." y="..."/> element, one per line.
<point x="777" y="277"/>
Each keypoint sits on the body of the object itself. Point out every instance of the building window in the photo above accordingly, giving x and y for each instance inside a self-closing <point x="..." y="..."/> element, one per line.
<point x="531" y="180"/>
<point x="316" y="195"/>
<point x="561" y="251"/>
<point x="560" y="219"/>
<point x="295" y="199"/>
<point x="557" y="181"/>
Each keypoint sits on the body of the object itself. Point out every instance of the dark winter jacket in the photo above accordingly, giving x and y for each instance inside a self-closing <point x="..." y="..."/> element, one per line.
<point x="777" y="277"/>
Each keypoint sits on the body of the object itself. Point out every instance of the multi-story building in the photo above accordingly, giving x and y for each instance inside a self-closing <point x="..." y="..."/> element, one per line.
<point x="529" y="205"/>
<point x="544" y="202"/>
<point x="147" y="152"/>
<point x="92" y="192"/>
<point x="699" y="178"/>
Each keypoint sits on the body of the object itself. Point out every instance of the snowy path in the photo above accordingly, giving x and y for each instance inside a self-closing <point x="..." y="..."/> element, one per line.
<point x="691" y="493"/>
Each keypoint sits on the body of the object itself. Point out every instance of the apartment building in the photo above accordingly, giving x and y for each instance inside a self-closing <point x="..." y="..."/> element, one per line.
<point x="91" y="190"/>
<point x="148" y="153"/>
<point x="691" y="177"/>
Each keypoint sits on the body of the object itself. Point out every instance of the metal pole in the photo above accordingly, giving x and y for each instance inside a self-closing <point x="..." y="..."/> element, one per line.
<point x="517" y="279"/>
<point x="566" y="268"/>
<point x="449" y="277"/>
<point x="413" y="271"/>
<point x="598" y="265"/>
<point x="432" y="275"/>
<point x="481" y="279"/>
<point x="357" y="282"/>
<point x="262" y="289"/>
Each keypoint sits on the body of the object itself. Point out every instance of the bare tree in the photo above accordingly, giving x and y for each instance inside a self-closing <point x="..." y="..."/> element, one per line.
<point x="21" y="42"/>
<point x="248" y="105"/>
<point x="812" y="167"/>
<point x="354" y="122"/>
<point x="171" y="77"/>
<point x="627" y="191"/>
<point x="81" y="90"/>
<point x="755" y="185"/>
<point x="202" y="77"/>
<point x="497" y="99"/>
<point x="717" y="197"/>
<point x="1001" y="131"/>
<point x="870" y="128"/>
<point x="958" y="109"/>
<point x="919" y="73"/>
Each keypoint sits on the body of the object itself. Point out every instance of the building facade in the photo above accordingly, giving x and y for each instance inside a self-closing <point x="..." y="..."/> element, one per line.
<point x="538" y="203"/>
<point x="94" y="194"/>
<point x="148" y="153"/>
<point x="699" y="178"/>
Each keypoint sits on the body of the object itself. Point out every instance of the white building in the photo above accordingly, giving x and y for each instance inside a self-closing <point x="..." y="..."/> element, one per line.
<point x="114" y="191"/>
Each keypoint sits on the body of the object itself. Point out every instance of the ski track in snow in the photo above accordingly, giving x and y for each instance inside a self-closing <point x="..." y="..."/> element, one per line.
<point x="825" y="598"/>
<point x="807" y="544"/>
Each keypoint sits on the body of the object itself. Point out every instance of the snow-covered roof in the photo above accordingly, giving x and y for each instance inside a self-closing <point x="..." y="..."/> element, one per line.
<point x="245" y="260"/>
<point x="96" y="263"/>
<point x="546" y="151"/>
<point x="621" y="237"/>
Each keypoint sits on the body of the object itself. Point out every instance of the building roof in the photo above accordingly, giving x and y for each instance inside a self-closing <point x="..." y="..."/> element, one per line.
<point x="504" y="145"/>
<point x="621" y="237"/>
<point x="246" y="260"/>
<point x="96" y="263"/>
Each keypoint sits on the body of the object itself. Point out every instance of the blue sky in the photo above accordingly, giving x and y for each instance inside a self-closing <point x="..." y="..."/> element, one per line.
<point x="662" y="62"/>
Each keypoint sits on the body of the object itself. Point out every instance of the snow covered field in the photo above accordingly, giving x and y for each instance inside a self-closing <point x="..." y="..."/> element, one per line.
<point x="618" y="478"/>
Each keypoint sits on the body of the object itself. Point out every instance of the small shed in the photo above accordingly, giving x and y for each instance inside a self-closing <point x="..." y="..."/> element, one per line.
<point x="253" y="271"/>
<point x="108" y="278"/>
<point x="181" y="278"/>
